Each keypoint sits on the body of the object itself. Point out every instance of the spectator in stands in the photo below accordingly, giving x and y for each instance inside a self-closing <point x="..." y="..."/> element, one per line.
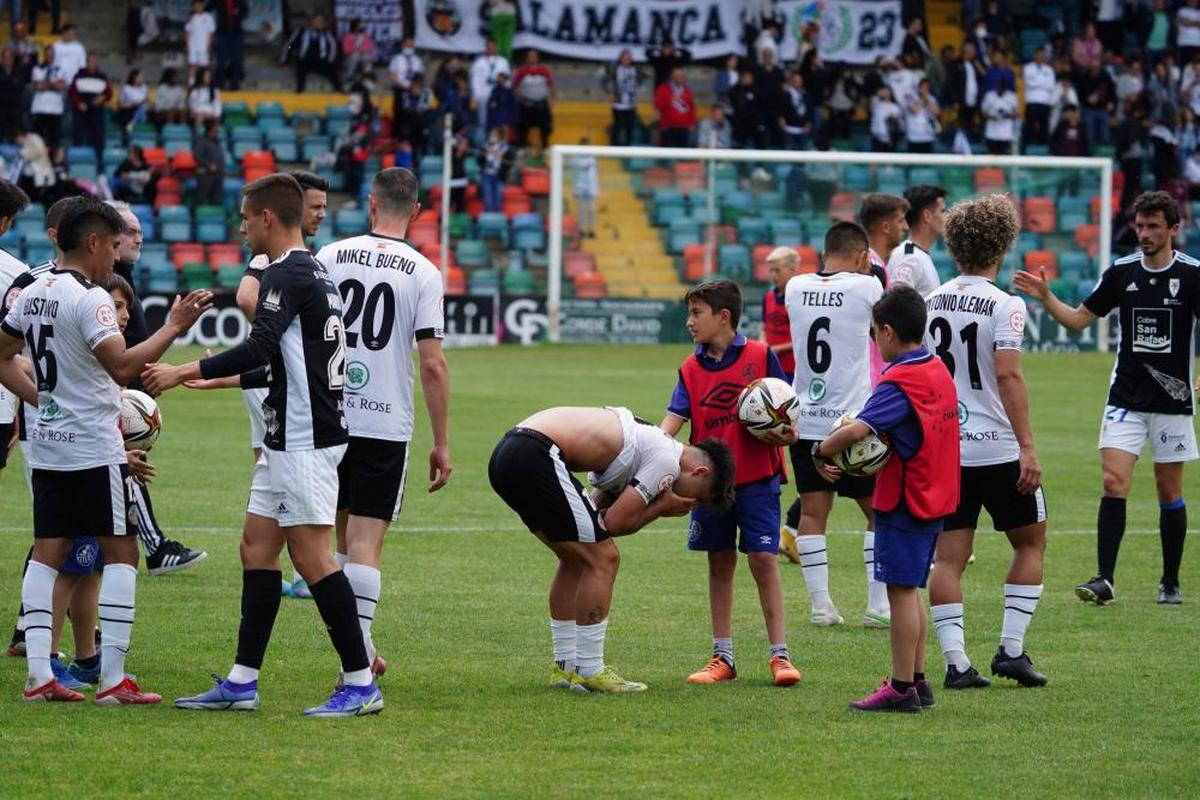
<point x="533" y="86"/>
<point x="936" y="70"/>
<point x="315" y="51"/>
<point x="769" y="81"/>
<point x="460" y="146"/>
<point x="493" y="169"/>
<point x="358" y="51"/>
<point x="457" y="100"/>
<point x="501" y="106"/>
<point x="816" y="86"/>
<point x="484" y="70"/>
<point x="1130" y="149"/>
<point x="1039" y="97"/>
<point x="1191" y="174"/>
<point x="199" y="31"/>
<point x="362" y="93"/>
<point x="132" y="101"/>
<point x="998" y="23"/>
<point x="204" y="100"/>
<point x="843" y="101"/>
<point x="1187" y="134"/>
<point x="1187" y="37"/>
<point x="231" y="41"/>
<point x="726" y="78"/>
<point x="210" y="164"/>
<point x="1131" y="82"/>
<point x="1000" y="112"/>
<point x="141" y="29"/>
<point x="922" y="120"/>
<point x="1164" y="147"/>
<point x="792" y="118"/>
<point x="585" y="186"/>
<point x="715" y="131"/>
<point x="414" y="116"/>
<point x="401" y="69"/>
<point x="1109" y="14"/>
<point x="980" y="38"/>
<point x="999" y="73"/>
<point x="133" y="181"/>
<point x="676" y="110"/>
<point x="1158" y="34"/>
<point x="1087" y="50"/>
<point x="447" y="71"/>
<point x="170" y="100"/>
<point x="1065" y="95"/>
<point x="1070" y="137"/>
<point x="767" y="42"/>
<point x="902" y="78"/>
<point x="1163" y="85"/>
<point x="46" y="110"/>
<point x="25" y="50"/>
<point x="69" y="52"/>
<point x="750" y="113"/>
<point x="965" y="88"/>
<point x="665" y="59"/>
<point x="622" y="81"/>
<point x="12" y="94"/>
<point x="90" y="92"/>
<point x="37" y="6"/>
<point x="38" y="175"/>
<point x="1099" y="101"/>
<point x="915" y="42"/>
<point x="886" y="121"/>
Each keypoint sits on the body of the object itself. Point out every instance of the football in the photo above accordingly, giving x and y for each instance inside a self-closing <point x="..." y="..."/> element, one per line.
<point x="141" y="421"/>
<point x="766" y="404"/>
<point x="863" y="458"/>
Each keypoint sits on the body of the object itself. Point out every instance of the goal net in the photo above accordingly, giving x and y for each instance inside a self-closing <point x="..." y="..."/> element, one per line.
<point x="630" y="228"/>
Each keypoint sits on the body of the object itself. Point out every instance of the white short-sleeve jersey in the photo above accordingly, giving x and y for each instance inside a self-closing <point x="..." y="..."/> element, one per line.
<point x="648" y="461"/>
<point x="63" y="317"/>
<point x="830" y="317"/>
<point x="970" y="320"/>
<point x="911" y="265"/>
<point x="10" y="268"/>
<point x="391" y="297"/>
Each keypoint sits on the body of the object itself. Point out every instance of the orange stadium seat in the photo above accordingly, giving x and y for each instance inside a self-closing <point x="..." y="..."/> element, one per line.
<point x="516" y="204"/>
<point x="657" y="178"/>
<point x="590" y="286"/>
<point x="183" y="164"/>
<point x="989" y="180"/>
<point x="1040" y="215"/>
<point x="1088" y="238"/>
<point x="1094" y="206"/>
<point x="689" y="176"/>
<point x="759" y="255"/>
<point x="220" y="255"/>
<point x="810" y="259"/>
<point x="535" y="181"/>
<point x="1042" y="259"/>
<point x="456" y="281"/>
<point x="187" y="253"/>
<point x="156" y="158"/>
<point x="259" y="159"/>
<point x="423" y="231"/>
<point x="843" y="207"/>
<point x="576" y="263"/>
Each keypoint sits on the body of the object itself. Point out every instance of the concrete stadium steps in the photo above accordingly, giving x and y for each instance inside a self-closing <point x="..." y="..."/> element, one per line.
<point x="628" y="249"/>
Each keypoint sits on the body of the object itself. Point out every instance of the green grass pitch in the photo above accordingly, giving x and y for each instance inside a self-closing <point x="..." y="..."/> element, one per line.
<point x="463" y="624"/>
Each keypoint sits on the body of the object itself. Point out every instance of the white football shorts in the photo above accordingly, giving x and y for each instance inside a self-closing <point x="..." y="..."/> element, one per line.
<point x="1172" y="437"/>
<point x="298" y="487"/>
<point x="258" y="427"/>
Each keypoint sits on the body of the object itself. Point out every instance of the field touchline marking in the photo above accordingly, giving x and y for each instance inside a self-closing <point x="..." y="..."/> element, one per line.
<point x="506" y="529"/>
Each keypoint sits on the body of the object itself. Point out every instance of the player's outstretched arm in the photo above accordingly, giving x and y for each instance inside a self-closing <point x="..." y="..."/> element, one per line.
<point x="125" y="364"/>
<point x="1013" y="395"/>
<point x="435" y="385"/>
<point x="1038" y="287"/>
<point x="630" y="512"/>
<point x="14" y="375"/>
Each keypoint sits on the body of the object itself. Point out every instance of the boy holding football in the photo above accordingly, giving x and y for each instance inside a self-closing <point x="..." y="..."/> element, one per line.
<point x="915" y="406"/>
<point x="710" y="382"/>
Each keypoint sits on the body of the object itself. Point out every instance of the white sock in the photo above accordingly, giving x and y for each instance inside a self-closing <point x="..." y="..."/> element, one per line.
<point x="589" y="648"/>
<point x="117" y="590"/>
<point x="366" y="583"/>
<point x="948" y="623"/>
<point x="814" y="561"/>
<point x="790" y="530"/>
<point x="241" y="674"/>
<point x="342" y="559"/>
<point x="1019" y="604"/>
<point x="877" y="599"/>
<point x="723" y="646"/>
<point x="37" y="595"/>
<point x="562" y="639"/>
<point x="359" y="677"/>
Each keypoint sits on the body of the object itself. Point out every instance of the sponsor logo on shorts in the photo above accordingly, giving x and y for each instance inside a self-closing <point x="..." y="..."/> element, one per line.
<point x="85" y="556"/>
<point x="693" y="532"/>
<point x="1179" y="448"/>
<point x="765" y="539"/>
<point x="357" y="375"/>
<point x="281" y="509"/>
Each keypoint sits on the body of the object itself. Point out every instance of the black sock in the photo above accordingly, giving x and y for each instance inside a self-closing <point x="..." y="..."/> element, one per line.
<point x="260" y="605"/>
<point x="91" y="662"/>
<point x="1172" y="528"/>
<point x="335" y="600"/>
<point x="1110" y="528"/>
<point x="918" y="677"/>
<point x="901" y="686"/>
<point x="793" y="515"/>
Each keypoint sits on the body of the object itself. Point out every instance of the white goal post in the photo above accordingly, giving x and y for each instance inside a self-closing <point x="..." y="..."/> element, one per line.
<point x="560" y="153"/>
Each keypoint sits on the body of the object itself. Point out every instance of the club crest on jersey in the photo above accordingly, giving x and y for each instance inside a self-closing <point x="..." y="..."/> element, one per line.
<point x="50" y="412"/>
<point x="106" y="316"/>
<point x="1173" y="286"/>
<point x="271" y="301"/>
<point x="963" y="413"/>
<point x="816" y="389"/>
<point x="357" y="375"/>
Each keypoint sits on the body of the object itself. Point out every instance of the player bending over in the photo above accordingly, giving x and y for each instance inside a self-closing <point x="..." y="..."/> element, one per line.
<point x="639" y="474"/>
<point x="976" y="329"/>
<point x="68" y="328"/>
<point x="710" y="381"/>
<point x="1150" y="398"/>
<point x="830" y="313"/>
<point x="916" y="408"/>
<point x="297" y="336"/>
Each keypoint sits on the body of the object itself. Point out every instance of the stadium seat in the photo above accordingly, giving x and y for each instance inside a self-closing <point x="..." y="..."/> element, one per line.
<point x="590" y="286"/>
<point x="157" y="158"/>
<point x="245" y="139"/>
<point x="282" y="142"/>
<point x="31" y="223"/>
<point x="210" y="224"/>
<point x="258" y="160"/>
<point x="196" y="276"/>
<point x="924" y="176"/>
<point x="810" y="258"/>
<point x="162" y="277"/>
<point x="1075" y="266"/>
<point x="1039" y="214"/>
<point x="518" y="281"/>
<point x="689" y="176"/>
<point x="175" y="223"/>
<point x="350" y="222"/>
<point x="144" y="140"/>
<point x="657" y="178"/>
<point x="422" y="232"/>
<point x="535" y="181"/>
<point x="786" y="231"/>
<point x="155" y="253"/>
<point x="735" y="205"/>
<point x="225" y="254"/>
<point x="576" y="262"/>
<point x="753" y="230"/>
<point x="1042" y="259"/>
<point x="39" y="251"/>
<point x="186" y="253"/>
<point x="989" y="180"/>
<point x="456" y="281"/>
<point x="173" y="146"/>
<point x="493" y="225"/>
<point x="113" y="156"/>
<point x="528" y="238"/>
<point x="316" y="146"/>
<point x="515" y="205"/>
<point x="229" y="276"/>
<point x="484" y="281"/>
<point x="734" y="260"/>
<point x="857" y="177"/>
<point x="472" y="253"/>
<point x="770" y="201"/>
<point x="759" y="253"/>
<point x="843" y="207"/>
<point x="183" y="164"/>
<point x="891" y="180"/>
<point x="1088" y="238"/>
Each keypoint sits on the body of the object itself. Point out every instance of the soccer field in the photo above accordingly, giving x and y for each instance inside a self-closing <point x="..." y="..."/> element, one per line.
<point x="463" y="624"/>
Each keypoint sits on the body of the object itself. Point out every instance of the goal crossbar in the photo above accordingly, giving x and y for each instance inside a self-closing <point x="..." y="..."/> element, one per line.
<point x="559" y="154"/>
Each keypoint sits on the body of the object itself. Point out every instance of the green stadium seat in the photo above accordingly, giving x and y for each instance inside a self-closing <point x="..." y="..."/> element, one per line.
<point x="493" y="225"/>
<point x="736" y="204"/>
<point x="229" y="276"/>
<point x="753" y="230"/>
<point x="519" y="281"/>
<point x="196" y="276"/>
<point x="472" y="253"/>
<point x="211" y="224"/>
<point x="484" y="281"/>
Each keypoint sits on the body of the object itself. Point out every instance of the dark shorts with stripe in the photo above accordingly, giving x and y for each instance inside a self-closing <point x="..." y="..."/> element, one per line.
<point x="6" y="432"/>
<point x="527" y="471"/>
<point x="83" y="502"/>
<point x="371" y="478"/>
<point x="994" y="487"/>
